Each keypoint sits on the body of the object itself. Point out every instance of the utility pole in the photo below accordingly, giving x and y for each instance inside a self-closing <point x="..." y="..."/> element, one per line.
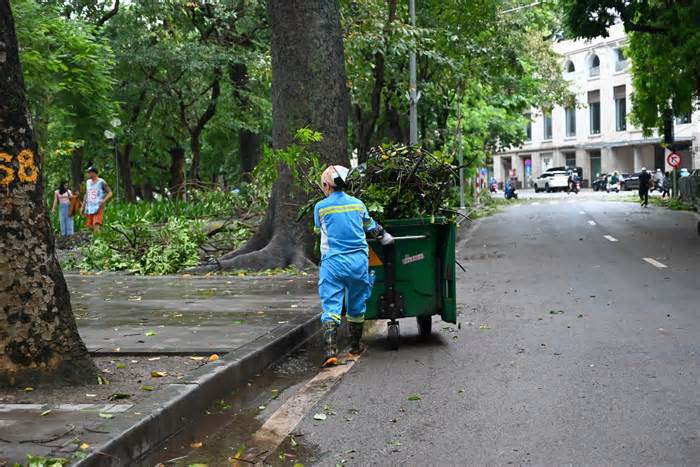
<point x="413" y="95"/>
<point x="460" y="153"/>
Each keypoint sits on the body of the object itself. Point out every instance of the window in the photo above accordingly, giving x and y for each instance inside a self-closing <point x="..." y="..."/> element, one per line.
<point x="620" y="108"/>
<point x="683" y="118"/>
<point x="570" y="68"/>
<point x="594" y="70"/>
<point x="620" y="60"/>
<point x="528" y="128"/>
<point x="547" y="121"/>
<point x="594" y="112"/>
<point x="570" y="116"/>
<point x="570" y="159"/>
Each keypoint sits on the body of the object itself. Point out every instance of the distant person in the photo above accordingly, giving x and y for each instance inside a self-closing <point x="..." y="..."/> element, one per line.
<point x="666" y="185"/>
<point x="62" y="198"/>
<point x="644" y="185"/>
<point x="97" y="193"/>
<point x="658" y="180"/>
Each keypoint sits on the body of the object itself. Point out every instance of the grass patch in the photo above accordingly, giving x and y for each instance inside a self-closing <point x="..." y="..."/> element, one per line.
<point x="490" y="206"/>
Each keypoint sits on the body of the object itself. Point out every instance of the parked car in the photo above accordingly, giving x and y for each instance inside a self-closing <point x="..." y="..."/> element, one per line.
<point x="552" y="181"/>
<point x="629" y="181"/>
<point x="600" y="183"/>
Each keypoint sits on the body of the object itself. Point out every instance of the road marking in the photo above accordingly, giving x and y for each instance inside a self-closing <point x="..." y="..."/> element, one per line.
<point x="571" y="201"/>
<point x="276" y="429"/>
<point x="610" y="237"/>
<point x="655" y="263"/>
<point x="554" y="202"/>
<point x="536" y="203"/>
<point x="592" y="222"/>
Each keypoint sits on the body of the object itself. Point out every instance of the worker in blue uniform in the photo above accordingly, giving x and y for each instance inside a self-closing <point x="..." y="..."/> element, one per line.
<point x="343" y="222"/>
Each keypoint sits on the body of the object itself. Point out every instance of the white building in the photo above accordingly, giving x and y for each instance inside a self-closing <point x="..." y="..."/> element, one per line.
<point x="596" y="135"/>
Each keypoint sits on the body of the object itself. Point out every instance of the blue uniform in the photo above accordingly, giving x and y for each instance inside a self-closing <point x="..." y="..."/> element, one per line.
<point x="342" y="221"/>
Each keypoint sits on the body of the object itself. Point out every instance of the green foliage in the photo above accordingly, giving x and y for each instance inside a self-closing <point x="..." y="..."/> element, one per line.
<point x="299" y="159"/>
<point x="663" y="42"/>
<point x="146" y="249"/>
<point x="399" y="182"/>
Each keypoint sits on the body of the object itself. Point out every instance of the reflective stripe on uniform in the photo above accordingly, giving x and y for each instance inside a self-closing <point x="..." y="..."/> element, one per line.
<point x="338" y="209"/>
<point x="355" y="319"/>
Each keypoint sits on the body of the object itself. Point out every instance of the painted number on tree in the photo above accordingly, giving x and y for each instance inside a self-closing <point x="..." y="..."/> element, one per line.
<point x="25" y="170"/>
<point x="674" y="160"/>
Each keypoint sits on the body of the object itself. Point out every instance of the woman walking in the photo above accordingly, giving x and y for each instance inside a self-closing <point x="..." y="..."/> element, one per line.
<point x="62" y="198"/>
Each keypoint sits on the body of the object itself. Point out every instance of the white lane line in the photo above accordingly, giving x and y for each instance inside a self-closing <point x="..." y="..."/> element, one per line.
<point x="276" y="429"/>
<point x="592" y="222"/>
<point x="571" y="201"/>
<point x="610" y="237"/>
<point x="655" y="263"/>
<point x="554" y="202"/>
<point x="536" y="203"/>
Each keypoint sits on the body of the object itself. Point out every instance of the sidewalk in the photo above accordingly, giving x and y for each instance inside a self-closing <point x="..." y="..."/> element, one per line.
<point x="152" y="339"/>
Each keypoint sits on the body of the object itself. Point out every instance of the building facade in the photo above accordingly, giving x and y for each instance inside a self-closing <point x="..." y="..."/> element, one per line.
<point x="596" y="134"/>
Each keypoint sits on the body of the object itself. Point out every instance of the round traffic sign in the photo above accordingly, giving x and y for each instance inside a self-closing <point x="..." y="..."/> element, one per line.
<point x="674" y="160"/>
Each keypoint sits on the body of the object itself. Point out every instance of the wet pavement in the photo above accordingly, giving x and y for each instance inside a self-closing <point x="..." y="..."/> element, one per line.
<point x="120" y="313"/>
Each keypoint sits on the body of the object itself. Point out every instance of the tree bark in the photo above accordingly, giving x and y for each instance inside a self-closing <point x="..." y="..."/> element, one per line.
<point x="249" y="143"/>
<point x="39" y="340"/>
<point x="177" y="171"/>
<point x="308" y="90"/>
<point x="196" y="129"/>
<point x="125" y="170"/>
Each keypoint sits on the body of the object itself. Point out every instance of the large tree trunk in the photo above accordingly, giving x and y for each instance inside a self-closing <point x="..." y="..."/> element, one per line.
<point x="39" y="340"/>
<point x="308" y="90"/>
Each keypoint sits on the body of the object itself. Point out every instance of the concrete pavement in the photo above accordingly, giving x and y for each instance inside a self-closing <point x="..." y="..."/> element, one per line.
<point x="134" y="326"/>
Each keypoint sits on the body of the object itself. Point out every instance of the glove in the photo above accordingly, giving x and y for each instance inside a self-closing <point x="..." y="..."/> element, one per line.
<point x="386" y="239"/>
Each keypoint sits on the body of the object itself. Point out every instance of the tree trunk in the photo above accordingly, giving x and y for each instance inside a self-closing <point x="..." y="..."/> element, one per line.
<point x="76" y="168"/>
<point x="249" y="144"/>
<point x="39" y="340"/>
<point x="177" y="171"/>
<point x="308" y="90"/>
<point x="250" y="152"/>
<point x="125" y="173"/>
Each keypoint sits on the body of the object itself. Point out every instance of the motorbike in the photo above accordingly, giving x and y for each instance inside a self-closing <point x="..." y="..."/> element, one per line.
<point x="574" y="186"/>
<point x="510" y="192"/>
<point x="613" y="187"/>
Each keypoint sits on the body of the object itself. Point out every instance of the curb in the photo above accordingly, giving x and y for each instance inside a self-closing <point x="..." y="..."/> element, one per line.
<point x="180" y="403"/>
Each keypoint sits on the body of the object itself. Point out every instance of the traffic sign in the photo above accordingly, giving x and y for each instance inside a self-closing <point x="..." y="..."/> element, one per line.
<point x="674" y="160"/>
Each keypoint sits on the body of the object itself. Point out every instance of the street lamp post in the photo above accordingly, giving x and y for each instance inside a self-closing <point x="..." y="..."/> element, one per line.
<point x="413" y="95"/>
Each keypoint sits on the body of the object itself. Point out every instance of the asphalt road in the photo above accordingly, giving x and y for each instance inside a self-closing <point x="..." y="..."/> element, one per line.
<point x="572" y="349"/>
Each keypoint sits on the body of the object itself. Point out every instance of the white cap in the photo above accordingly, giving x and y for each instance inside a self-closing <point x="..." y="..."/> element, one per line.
<point x="333" y="172"/>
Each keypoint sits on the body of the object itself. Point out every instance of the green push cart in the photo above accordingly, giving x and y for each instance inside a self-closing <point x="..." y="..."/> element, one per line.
<point x="414" y="277"/>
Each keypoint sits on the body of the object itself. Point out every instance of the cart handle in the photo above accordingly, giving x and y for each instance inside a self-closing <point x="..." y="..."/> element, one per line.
<point x="407" y="237"/>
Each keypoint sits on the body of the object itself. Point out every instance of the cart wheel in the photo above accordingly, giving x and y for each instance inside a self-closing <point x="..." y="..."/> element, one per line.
<point x="425" y="326"/>
<point x="394" y="335"/>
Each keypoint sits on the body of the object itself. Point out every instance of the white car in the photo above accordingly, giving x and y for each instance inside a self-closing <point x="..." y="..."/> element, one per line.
<point x="552" y="181"/>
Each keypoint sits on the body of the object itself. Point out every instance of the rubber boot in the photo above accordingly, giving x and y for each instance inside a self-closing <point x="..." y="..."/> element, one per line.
<point x="330" y="337"/>
<point x="356" y="346"/>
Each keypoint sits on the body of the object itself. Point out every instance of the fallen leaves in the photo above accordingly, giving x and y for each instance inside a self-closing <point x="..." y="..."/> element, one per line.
<point x="414" y="397"/>
<point x="213" y="357"/>
<point x="484" y="327"/>
<point x="117" y="396"/>
<point x="158" y="374"/>
<point x="196" y="445"/>
<point x="84" y="446"/>
<point x="106" y="416"/>
<point x="28" y="389"/>
<point x="150" y="333"/>
<point x="45" y="413"/>
<point x="147" y="388"/>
